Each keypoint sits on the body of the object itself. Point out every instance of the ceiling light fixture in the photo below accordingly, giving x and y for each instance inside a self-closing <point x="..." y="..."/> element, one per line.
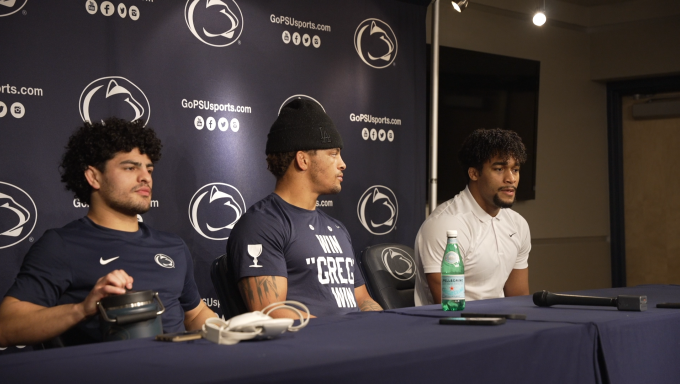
<point x="459" y="5"/>
<point x="539" y="17"/>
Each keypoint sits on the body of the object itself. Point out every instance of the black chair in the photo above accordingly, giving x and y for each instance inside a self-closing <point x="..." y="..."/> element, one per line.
<point x="231" y="302"/>
<point x="390" y="274"/>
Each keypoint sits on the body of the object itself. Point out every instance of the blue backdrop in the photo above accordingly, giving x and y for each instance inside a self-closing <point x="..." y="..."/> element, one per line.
<point x="210" y="77"/>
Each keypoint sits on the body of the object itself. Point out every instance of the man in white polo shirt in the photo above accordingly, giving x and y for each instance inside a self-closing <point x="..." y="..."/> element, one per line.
<point x="494" y="240"/>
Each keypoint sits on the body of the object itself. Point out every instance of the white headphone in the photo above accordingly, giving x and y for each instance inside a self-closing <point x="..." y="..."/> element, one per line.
<point x="252" y="325"/>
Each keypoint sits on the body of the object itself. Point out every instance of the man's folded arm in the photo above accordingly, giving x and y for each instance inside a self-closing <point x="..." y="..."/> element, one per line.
<point x="260" y="291"/>
<point x="23" y="323"/>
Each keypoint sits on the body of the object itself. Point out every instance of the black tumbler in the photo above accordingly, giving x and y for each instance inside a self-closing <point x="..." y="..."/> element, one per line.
<point x="132" y="315"/>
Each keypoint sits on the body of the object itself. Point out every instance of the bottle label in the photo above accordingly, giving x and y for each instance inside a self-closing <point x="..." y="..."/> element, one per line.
<point x="453" y="258"/>
<point x="453" y="287"/>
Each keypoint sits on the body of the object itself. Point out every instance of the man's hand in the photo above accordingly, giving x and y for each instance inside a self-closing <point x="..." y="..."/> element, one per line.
<point x="26" y="323"/>
<point x="115" y="283"/>
<point x="364" y="300"/>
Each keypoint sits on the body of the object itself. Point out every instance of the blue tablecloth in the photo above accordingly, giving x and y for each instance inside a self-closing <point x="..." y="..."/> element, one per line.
<point x="554" y="345"/>
<point x="637" y="347"/>
<point x="361" y="348"/>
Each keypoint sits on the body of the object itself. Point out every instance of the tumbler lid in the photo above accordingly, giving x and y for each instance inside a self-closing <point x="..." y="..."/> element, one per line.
<point x="127" y="298"/>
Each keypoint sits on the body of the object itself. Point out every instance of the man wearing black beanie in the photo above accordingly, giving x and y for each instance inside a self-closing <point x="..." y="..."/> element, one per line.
<point x="283" y="248"/>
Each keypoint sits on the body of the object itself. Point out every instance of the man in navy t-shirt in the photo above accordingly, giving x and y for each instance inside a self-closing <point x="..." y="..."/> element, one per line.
<point x="108" y="166"/>
<point x="283" y="248"/>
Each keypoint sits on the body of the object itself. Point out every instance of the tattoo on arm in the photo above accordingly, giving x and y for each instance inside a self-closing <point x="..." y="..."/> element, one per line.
<point x="370" y="305"/>
<point x="259" y="288"/>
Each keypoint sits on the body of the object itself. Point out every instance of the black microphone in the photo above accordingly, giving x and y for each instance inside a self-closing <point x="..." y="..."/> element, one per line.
<point x="621" y="302"/>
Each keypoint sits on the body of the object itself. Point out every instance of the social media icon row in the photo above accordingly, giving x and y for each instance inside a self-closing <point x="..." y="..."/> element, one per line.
<point x="374" y="134"/>
<point x="17" y="110"/>
<point x="210" y="123"/>
<point x="107" y="9"/>
<point x="305" y="39"/>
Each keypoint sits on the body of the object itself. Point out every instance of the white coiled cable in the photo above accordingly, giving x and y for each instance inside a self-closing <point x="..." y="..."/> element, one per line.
<point x="257" y="324"/>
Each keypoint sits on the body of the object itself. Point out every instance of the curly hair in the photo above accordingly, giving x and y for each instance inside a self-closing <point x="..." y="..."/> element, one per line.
<point x="278" y="163"/>
<point x="484" y="144"/>
<point x="95" y="144"/>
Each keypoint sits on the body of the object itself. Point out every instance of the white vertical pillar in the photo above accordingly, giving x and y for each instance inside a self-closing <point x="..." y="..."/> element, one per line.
<point x="434" y="107"/>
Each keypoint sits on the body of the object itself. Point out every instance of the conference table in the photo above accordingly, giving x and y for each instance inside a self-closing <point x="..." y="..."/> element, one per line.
<point x="562" y="344"/>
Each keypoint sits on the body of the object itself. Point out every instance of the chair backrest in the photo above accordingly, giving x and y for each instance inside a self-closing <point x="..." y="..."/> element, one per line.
<point x="390" y="274"/>
<point x="231" y="302"/>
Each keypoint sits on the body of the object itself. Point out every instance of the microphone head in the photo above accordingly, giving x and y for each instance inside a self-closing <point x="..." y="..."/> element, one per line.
<point x="541" y="298"/>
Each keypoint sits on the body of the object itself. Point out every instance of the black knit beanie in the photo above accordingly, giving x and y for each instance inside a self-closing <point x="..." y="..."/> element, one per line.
<point x="302" y="125"/>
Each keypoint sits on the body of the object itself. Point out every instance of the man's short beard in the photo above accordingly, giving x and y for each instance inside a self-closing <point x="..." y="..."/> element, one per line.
<point x="126" y="207"/>
<point x="502" y="204"/>
<point x="314" y="172"/>
<point x="129" y="208"/>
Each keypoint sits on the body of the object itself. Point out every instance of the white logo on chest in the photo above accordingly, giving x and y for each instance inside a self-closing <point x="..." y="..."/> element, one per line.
<point x="164" y="261"/>
<point x="104" y="262"/>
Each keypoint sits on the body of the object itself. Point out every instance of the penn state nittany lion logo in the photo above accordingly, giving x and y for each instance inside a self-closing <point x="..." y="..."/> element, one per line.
<point x="399" y="263"/>
<point x="214" y="210"/>
<point x="215" y="22"/>
<point x="164" y="261"/>
<point x="375" y="43"/>
<point x="113" y="96"/>
<point x="10" y="7"/>
<point x="18" y="215"/>
<point x="378" y="210"/>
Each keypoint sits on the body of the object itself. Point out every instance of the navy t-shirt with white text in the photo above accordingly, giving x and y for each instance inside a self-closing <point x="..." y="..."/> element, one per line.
<point x="311" y="249"/>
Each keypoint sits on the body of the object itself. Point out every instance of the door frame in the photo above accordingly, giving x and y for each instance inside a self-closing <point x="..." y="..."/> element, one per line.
<point x="616" y="90"/>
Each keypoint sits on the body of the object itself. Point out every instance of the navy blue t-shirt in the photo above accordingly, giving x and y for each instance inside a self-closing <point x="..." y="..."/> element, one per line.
<point x="311" y="249"/>
<point x="65" y="264"/>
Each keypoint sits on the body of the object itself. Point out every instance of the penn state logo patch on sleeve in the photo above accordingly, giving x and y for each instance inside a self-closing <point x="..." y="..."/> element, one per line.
<point x="164" y="261"/>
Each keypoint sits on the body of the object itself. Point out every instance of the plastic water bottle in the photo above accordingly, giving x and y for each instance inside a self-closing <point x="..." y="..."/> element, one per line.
<point x="453" y="275"/>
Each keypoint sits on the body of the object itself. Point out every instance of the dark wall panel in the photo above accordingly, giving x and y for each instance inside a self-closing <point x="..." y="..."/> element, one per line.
<point x="210" y="79"/>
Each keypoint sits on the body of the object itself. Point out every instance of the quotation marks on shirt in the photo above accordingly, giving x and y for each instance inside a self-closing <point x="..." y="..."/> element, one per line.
<point x="311" y="260"/>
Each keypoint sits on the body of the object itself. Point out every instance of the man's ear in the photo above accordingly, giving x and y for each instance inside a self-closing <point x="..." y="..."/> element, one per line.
<point x="93" y="177"/>
<point x="473" y="173"/>
<point x="302" y="160"/>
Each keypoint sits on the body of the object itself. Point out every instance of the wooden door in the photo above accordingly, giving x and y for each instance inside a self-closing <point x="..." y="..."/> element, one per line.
<point x="651" y="166"/>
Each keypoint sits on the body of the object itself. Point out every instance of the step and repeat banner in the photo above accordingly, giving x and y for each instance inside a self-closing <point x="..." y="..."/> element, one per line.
<point x="210" y="76"/>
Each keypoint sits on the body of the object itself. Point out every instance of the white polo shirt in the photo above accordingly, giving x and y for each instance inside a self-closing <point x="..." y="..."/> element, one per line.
<point x="491" y="247"/>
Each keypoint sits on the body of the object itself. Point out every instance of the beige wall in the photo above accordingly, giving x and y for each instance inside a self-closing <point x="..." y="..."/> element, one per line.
<point x="569" y="218"/>
<point x="639" y="49"/>
<point x="635" y="39"/>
